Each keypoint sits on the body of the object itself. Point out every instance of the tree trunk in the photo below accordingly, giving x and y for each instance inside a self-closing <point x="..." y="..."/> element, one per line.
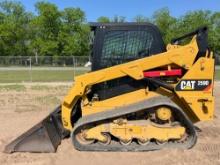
<point x="36" y="57"/>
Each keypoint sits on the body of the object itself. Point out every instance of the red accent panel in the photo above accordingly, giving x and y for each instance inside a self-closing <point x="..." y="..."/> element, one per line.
<point x="208" y="87"/>
<point x="160" y="73"/>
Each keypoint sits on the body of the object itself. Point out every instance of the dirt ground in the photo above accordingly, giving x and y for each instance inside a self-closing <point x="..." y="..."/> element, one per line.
<point x="24" y="105"/>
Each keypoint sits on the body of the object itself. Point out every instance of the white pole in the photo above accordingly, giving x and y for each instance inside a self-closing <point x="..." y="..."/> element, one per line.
<point x="74" y="66"/>
<point x="30" y="70"/>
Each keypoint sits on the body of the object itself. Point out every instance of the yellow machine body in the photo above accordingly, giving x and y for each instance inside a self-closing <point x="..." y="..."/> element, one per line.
<point x="159" y="113"/>
<point x="199" y="105"/>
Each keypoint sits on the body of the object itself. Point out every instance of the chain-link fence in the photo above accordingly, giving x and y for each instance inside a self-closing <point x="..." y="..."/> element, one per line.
<point x="217" y="59"/>
<point x="47" y="68"/>
<point x="42" y="69"/>
<point x="50" y="61"/>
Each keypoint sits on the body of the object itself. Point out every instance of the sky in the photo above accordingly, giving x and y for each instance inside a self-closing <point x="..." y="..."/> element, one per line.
<point x="129" y="8"/>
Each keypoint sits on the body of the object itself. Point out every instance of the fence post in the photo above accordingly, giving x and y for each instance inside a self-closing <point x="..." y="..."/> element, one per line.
<point x="74" y="66"/>
<point x="30" y="68"/>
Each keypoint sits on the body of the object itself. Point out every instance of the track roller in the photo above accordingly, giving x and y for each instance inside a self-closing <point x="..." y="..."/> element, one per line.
<point x="143" y="142"/>
<point x="107" y="139"/>
<point x="125" y="142"/>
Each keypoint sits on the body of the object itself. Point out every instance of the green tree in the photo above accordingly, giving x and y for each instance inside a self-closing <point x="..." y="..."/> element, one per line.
<point x="195" y="19"/>
<point x="103" y="19"/>
<point x="115" y="19"/>
<point x="74" y="33"/>
<point x="118" y="19"/>
<point x="141" y="18"/>
<point x="166" y="23"/>
<point x="57" y="33"/>
<point x="215" y="21"/>
<point x="14" y="38"/>
<point x="45" y="28"/>
<point x="192" y="20"/>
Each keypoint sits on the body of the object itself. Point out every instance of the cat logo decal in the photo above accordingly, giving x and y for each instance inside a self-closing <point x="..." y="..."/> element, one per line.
<point x="193" y="85"/>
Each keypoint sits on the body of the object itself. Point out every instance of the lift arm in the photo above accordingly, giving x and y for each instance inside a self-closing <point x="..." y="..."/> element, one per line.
<point x="182" y="56"/>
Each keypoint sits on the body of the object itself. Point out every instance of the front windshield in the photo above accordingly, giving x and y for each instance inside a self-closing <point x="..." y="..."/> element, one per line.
<point x="123" y="46"/>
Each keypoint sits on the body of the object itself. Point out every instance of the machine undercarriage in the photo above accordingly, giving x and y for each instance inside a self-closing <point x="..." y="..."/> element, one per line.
<point x="154" y="127"/>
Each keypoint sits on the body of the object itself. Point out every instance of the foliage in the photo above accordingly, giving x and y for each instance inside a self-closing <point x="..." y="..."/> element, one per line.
<point x="172" y="27"/>
<point x="166" y="23"/>
<point x="13" y="29"/>
<point x="46" y="29"/>
<point x="74" y="35"/>
<point x="55" y="32"/>
<point x="215" y="39"/>
<point x="103" y="19"/>
<point x="49" y="33"/>
<point x="115" y="19"/>
<point x="118" y="19"/>
<point x="141" y="18"/>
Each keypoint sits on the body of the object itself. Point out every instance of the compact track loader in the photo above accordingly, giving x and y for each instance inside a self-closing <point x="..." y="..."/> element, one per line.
<point x="139" y="96"/>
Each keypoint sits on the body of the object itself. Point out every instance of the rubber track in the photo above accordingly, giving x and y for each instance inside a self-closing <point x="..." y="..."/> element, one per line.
<point x="133" y="108"/>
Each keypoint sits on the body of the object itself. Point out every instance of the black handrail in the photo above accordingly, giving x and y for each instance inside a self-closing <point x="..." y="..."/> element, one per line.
<point x="199" y="31"/>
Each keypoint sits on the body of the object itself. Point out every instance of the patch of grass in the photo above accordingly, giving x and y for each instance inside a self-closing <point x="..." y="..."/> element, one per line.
<point x="62" y="87"/>
<point x="217" y="74"/>
<point x="40" y="87"/>
<point x="48" y="88"/>
<point x="48" y="100"/>
<point x="17" y="76"/>
<point x="14" y="87"/>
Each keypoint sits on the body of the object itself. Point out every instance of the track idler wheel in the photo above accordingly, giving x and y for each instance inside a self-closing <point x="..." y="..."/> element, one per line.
<point x="80" y="137"/>
<point x="107" y="139"/>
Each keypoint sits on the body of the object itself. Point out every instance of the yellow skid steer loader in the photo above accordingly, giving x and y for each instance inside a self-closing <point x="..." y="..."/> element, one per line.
<point x="139" y="96"/>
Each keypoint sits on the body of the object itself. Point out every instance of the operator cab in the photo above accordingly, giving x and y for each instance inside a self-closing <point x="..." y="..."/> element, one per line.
<point x="117" y="43"/>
